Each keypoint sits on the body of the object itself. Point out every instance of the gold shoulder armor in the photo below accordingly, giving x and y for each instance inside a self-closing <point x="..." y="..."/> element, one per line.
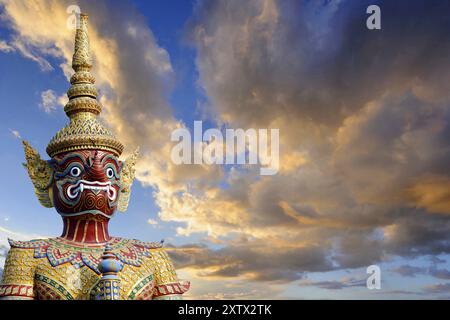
<point x="41" y="175"/>
<point x="127" y="178"/>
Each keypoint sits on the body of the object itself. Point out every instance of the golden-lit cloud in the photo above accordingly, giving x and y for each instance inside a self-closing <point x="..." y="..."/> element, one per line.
<point x="362" y="119"/>
<point x="432" y="193"/>
<point x="355" y="129"/>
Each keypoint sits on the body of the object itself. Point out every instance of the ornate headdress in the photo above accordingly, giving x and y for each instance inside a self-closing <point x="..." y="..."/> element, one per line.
<point x="83" y="132"/>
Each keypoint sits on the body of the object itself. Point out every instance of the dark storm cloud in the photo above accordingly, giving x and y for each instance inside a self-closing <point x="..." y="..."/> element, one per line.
<point x="233" y="261"/>
<point x="419" y="234"/>
<point x="370" y="109"/>
<point x="315" y="59"/>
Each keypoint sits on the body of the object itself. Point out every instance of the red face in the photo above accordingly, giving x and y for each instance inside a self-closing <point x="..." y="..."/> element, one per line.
<point x="86" y="182"/>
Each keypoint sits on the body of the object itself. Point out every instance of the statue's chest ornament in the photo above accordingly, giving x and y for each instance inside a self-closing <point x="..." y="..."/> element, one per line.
<point x="59" y="251"/>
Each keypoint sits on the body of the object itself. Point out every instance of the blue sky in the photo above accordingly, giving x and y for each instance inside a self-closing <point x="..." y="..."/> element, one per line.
<point x="363" y="120"/>
<point x="25" y="116"/>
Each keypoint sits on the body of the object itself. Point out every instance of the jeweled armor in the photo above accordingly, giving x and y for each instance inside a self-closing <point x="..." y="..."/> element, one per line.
<point x="86" y="182"/>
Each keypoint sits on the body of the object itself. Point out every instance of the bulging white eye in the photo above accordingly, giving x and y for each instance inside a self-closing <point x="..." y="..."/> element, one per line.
<point x="109" y="173"/>
<point x="75" y="172"/>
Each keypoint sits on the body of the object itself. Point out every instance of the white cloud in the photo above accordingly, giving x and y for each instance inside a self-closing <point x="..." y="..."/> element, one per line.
<point x="15" y="133"/>
<point x="17" y="45"/>
<point x="49" y="100"/>
<point x="5" y="47"/>
<point x="29" y="53"/>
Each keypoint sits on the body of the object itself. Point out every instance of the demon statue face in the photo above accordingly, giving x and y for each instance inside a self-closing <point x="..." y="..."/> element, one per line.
<point x="86" y="182"/>
<point x="82" y="182"/>
<point x="84" y="175"/>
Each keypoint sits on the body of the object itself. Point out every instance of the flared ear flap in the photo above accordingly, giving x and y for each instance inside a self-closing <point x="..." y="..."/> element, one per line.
<point x="126" y="178"/>
<point x="41" y="175"/>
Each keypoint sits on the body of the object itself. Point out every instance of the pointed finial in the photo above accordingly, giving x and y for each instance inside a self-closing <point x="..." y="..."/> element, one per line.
<point x="82" y="81"/>
<point x="83" y="131"/>
<point x="81" y="57"/>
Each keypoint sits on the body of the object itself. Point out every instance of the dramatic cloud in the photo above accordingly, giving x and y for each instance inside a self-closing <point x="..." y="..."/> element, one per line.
<point x="365" y="117"/>
<point x="134" y="75"/>
<point x="364" y="123"/>
<point x="244" y="258"/>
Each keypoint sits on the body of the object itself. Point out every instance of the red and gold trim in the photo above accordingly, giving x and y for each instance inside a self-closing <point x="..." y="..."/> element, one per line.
<point x="174" y="288"/>
<point x="15" y="291"/>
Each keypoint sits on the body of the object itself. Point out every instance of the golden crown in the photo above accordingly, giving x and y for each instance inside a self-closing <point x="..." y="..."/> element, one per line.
<point x="84" y="131"/>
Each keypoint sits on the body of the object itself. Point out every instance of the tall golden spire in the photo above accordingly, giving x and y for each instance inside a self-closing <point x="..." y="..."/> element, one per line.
<point x="84" y="131"/>
<point x="81" y="57"/>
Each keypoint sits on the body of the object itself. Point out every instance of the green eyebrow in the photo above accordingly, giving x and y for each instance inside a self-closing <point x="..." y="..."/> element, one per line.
<point x="110" y="156"/>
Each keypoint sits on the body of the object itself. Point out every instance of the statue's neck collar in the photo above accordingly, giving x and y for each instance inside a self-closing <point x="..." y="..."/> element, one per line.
<point x="86" y="229"/>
